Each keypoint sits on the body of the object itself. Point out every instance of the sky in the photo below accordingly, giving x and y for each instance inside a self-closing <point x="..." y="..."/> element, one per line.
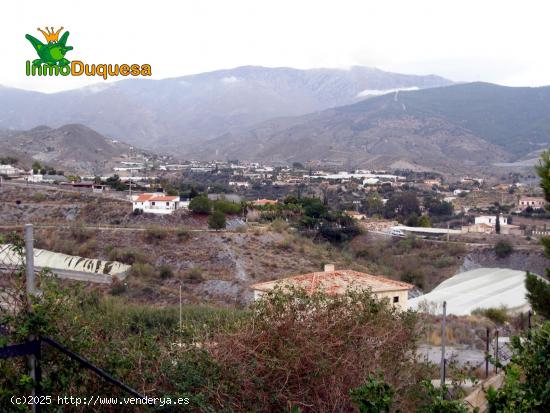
<point x="503" y="42"/>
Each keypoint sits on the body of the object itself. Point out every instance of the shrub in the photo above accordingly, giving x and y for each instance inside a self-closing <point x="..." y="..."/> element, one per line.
<point x="311" y="349"/>
<point x="227" y="207"/>
<point x="142" y="270"/>
<point x="374" y="396"/>
<point x="127" y="256"/>
<point x="80" y="233"/>
<point x="496" y="315"/>
<point x="194" y="276"/>
<point x="165" y="272"/>
<point x="117" y="287"/>
<point x="182" y="234"/>
<point x="525" y="387"/>
<point x="503" y="249"/>
<point x="216" y="220"/>
<point x="279" y="225"/>
<point x="155" y="233"/>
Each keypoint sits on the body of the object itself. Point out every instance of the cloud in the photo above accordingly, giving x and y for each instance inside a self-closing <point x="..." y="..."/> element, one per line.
<point x="378" y="92"/>
<point x="231" y="79"/>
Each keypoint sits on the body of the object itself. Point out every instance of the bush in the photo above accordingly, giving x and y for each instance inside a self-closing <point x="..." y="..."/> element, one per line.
<point x="374" y="396"/>
<point x="503" y="249"/>
<point x="227" y="207"/>
<point x="311" y="349"/>
<point x="200" y="205"/>
<point x="194" y="276"/>
<point x="165" y="272"/>
<point x="127" y="255"/>
<point x="216" y="220"/>
<point x="182" y="234"/>
<point x="142" y="270"/>
<point x="525" y="387"/>
<point x="496" y="315"/>
<point x="155" y="233"/>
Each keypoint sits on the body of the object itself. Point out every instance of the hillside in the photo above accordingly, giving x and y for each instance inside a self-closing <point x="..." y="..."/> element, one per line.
<point x="454" y="128"/>
<point x="179" y="112"/>
<point x="75" y="148"/>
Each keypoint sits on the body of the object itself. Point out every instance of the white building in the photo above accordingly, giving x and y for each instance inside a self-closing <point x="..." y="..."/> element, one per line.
<point x="491" y="220"/>
<point x="10" y="170"/>
<point x="156" y="203"/>
<point x="481" y="288"/>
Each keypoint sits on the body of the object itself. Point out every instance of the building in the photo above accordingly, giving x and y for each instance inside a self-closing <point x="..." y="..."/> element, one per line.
<point x="262" y="202"/>
<point x="490" y="220"/>
<point x="337" y="282"/>
<point x="533" y="202"/>
<point x="481" y="288"/>
<point x="355" y="215"/>
<point x="156" y="203"/>
<point x="10" y="171"/>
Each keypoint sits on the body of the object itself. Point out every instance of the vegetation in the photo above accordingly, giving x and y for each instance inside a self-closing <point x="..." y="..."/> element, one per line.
<point x="503" y="248"/>
<point x="527" y="377"/>
<point x="538" y="290"/>
<point x="496" y="315"/>
<point x="216" y="220"/>
<point x="526" y="386"/>
<point x="292" y="350"/>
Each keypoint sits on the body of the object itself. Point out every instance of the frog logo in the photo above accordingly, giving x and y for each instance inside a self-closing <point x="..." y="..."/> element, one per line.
<point x="52" y="53"/>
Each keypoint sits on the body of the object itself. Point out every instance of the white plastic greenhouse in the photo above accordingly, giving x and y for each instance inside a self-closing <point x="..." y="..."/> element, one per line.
<point x="480" y="288"/>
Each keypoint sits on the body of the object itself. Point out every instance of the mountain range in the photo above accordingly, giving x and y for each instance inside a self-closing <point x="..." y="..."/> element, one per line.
<point x="461" y="126"/>
<point x="355" y="118"/>
<point x="178" y="113"/>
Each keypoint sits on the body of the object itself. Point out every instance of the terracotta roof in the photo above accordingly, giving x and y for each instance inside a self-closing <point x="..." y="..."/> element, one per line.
<point x="154" y="197"/>
<point x="336" y="282"/>
<point x="266" y="202"/>
<point x="144" y="197"/>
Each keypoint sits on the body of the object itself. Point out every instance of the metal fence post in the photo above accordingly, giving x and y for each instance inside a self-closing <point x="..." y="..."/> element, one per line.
<point x="443" y="332"/>
<point x="487" y="334"/>
<point x="34" y="368"/>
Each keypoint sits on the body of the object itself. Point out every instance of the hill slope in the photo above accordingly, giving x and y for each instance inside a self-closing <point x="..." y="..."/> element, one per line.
<point x="459" y="126"/>
<point x="185" y="110"/>
<point x="75" y="148"/>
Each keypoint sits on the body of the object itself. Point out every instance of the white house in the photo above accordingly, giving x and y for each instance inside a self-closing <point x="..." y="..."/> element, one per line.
<point x="156" y="203"/>
<point x="491" y="220"/>
<point x="10" y="170"/>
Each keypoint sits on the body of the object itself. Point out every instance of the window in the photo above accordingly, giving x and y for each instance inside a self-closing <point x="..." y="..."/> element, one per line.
<point x="153" y="203"/>
<point x="168" y="203"/>
<point x="396" y="299"/>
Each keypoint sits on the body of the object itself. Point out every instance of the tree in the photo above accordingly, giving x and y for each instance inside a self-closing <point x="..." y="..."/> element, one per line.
<point x="424" y="221"/>
<point x="526" y="385"/>
<point x="538" y="294"/>
<point x="200" y="205"/>
<point x="538" y="290"/>
<point x="216" y="220"/>
<point x="497" y="223"/>
<point x="402" y="204"/>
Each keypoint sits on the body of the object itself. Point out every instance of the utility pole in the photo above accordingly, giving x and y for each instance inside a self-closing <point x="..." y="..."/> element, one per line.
<point x="487" y="353"/>
<point x="443" y="331"/>
<point x="496" y="351"/>
<point x="33" y="360"/>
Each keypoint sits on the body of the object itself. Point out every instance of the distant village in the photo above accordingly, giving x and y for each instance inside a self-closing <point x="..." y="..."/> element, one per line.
<point x="469" y="206"/>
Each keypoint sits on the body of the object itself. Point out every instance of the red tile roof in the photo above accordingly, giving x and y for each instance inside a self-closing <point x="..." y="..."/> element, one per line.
<point x="336" y="282"/>
<point x="155" y="197"/>
<point x="266" y="202"/>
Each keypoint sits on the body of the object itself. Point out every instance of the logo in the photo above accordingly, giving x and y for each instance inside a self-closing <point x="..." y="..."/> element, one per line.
<point x="52" y="60"/>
